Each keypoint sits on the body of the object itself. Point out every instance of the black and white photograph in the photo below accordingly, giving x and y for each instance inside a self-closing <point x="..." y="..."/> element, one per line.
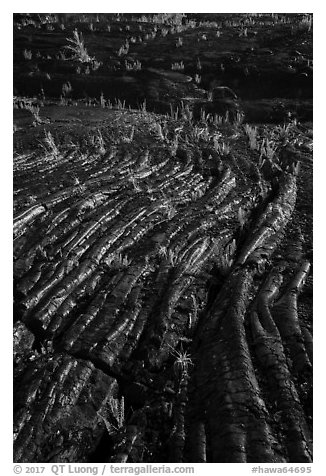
<point x="162" y="239"/>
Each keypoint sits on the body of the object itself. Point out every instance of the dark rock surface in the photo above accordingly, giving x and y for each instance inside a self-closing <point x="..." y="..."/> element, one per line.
<point x="163" y="260"/>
